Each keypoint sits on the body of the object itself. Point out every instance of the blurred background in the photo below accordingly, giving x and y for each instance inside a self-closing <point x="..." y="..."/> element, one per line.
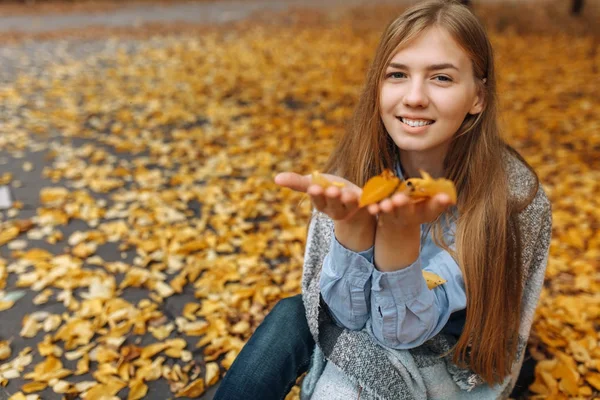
<point x="142" y="239"/>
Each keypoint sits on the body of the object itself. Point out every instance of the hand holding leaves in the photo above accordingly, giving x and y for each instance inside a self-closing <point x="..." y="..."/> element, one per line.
<point x="400" y="210"/>
<point x="416" y="200"/>
<point x="330" y="194"/>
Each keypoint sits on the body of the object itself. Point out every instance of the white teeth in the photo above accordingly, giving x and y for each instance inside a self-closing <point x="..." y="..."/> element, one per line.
<point x="416" y="123"/>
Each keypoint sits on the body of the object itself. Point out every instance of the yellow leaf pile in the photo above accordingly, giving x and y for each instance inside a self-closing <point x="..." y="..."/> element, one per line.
<point x="166" y="153"/>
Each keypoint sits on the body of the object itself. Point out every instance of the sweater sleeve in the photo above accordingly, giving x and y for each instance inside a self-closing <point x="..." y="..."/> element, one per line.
<point x="405" y="312"/>
<point x="346" y="285"/>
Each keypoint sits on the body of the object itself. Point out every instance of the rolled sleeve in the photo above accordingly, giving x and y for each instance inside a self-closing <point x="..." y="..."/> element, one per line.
<point x="346" y="285"/>
<point x="407" y="283"/>
<point x="405" y="312"/>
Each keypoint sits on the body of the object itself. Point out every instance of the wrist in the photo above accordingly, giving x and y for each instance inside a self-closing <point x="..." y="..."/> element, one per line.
<point x="357" y="233"/>
<point x="396" y="247"/>
<point x="388" y="228"/>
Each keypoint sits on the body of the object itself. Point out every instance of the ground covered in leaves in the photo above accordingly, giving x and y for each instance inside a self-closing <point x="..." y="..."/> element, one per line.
<point x="164" y="152"/>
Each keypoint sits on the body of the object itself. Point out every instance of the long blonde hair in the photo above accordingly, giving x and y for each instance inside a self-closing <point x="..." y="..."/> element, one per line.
<point x="487" y="238"/>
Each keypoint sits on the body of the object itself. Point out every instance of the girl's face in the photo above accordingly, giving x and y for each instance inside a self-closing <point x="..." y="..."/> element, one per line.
<point x="427" y="91"/>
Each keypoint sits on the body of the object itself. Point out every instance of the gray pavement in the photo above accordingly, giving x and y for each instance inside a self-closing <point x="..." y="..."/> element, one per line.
<point x="202" y="12"/>
<point x="192" y="12"/>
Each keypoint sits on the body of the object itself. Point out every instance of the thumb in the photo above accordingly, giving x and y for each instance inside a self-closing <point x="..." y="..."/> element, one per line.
<point x="291" y="180"/>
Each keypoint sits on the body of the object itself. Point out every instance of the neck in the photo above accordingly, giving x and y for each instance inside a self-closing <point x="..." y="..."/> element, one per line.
<point x="431" y="161"/>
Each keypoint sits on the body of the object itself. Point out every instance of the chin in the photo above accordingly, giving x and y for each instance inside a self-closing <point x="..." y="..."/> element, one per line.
<point x="411" y="143"/>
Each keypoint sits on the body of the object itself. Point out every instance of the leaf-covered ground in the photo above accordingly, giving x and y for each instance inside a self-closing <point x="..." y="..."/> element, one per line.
<point x="159" y="153"/>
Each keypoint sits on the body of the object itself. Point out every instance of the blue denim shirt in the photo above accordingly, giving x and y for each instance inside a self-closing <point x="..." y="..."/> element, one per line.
<point x="404" y="312"/>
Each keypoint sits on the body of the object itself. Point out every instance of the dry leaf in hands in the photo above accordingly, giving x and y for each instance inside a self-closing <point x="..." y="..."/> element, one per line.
<point x="427" y="187"/>
<point x="378" y="188"/>
<point x="318" y="179"/>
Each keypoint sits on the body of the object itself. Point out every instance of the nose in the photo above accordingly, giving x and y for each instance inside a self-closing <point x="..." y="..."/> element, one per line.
<point x="416" y="95"/>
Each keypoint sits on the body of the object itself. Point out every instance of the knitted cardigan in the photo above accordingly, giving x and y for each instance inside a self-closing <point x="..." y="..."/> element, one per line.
<point x="423" y="372"/>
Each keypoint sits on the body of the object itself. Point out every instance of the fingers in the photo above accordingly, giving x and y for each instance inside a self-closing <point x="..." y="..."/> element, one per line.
<point x="401" y="207"/>
<point x="350" y="199"/>
<point x="338" y="204"/>
<point x="317" y="195"/>
<point x="337" y="209"/>
<point x="397" y="205"/>
<point x="293" y="181"/>
<point x="373" y="209"/>
<point x="438" y="204"/>
<point x="386" y="206"/>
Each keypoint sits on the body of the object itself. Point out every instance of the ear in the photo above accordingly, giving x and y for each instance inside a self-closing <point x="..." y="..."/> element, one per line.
<point x="479" y="101"/>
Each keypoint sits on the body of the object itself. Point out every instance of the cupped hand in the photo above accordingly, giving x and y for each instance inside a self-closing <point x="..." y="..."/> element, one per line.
<point x="339" y="204"/>
<point x="401" y="210"/>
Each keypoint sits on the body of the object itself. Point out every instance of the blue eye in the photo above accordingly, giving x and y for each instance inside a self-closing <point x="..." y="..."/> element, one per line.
<point x="396" y="75"/>
<point x="443" y="78"/>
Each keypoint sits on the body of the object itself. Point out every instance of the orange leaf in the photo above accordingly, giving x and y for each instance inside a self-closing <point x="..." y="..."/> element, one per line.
<point x="593" y="379"/>
<point x="426" y="187"/>
<point x="378" y="188"/>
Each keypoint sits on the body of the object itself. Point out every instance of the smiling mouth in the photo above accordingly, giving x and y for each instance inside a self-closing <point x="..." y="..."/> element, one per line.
<point x="415" y="123"/>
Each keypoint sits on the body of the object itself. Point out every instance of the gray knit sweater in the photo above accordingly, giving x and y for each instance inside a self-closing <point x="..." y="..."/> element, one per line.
<point x="348" y="363"/>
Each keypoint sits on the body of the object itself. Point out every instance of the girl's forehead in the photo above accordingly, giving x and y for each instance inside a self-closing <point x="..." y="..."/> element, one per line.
<point x="433" y="45"/>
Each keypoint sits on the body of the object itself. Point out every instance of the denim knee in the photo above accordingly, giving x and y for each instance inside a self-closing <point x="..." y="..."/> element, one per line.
<point x="290" y="308"/>
<point x="287" y="316"/>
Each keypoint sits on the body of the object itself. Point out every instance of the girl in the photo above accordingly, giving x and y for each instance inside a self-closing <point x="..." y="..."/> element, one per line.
<point x="429" y="103"/>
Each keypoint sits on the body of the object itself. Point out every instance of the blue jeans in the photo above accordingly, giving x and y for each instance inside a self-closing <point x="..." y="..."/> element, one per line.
<point x="278" y="352"/>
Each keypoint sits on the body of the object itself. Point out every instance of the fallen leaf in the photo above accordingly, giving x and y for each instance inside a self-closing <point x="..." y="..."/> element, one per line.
<point x="34" y="387"/>
<point x="433" y="280"/>
<point x="212" y="373"/>
<point x="4" y="349"/>
<point x="137" y="390"/>
<point x="194" y="389"/>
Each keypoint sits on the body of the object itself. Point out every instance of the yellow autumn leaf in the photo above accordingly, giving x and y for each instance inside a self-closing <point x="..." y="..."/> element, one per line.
<point x="161" y="332"/>
<point x="212" y="373"/>
<point x="193" y="390"/>
<point x="593" y="378"/>
<point x="83" y="365"/>
<point x="103" y="390"/>
<point x="32" y="387"/>
<point x="137" y="390"/>
<point x="8" y="234"/>
<point x="5" y="351"/>
<point x="5" y="305"/>
<point x="153" y="349"/>
<point x="318" y="179"/>
<point x="433" y="280"/>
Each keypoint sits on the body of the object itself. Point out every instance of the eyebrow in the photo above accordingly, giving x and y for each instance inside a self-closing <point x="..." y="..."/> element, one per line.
<point x="434" y="67"/>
